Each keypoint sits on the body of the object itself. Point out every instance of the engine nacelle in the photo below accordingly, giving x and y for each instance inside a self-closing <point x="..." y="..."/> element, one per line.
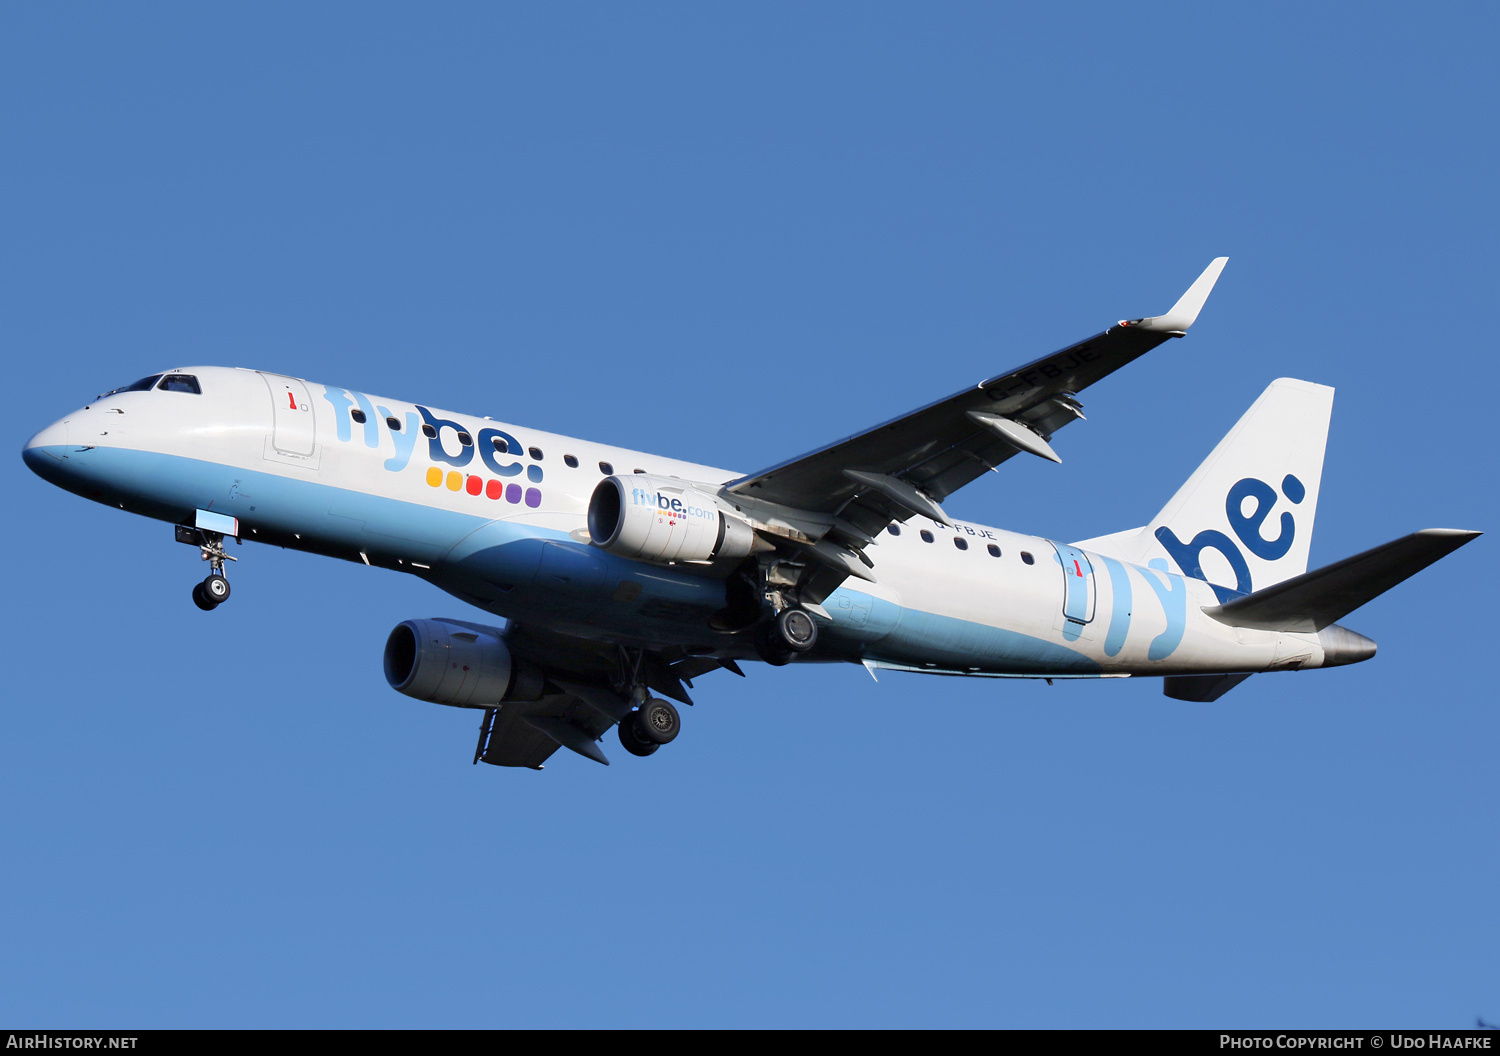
<point x="466" y="665"/>
<point x="663" y="519"/>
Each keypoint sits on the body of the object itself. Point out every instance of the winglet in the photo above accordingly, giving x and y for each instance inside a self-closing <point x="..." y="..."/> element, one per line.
<point x="1183" y="314"/>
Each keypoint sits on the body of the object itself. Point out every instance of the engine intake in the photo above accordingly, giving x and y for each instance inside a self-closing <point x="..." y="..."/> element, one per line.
<point x="465" y="665"/>
<point x="662" y="519"/>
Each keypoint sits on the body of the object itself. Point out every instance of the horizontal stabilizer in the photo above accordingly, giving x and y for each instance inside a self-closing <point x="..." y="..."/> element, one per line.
<point x="1317" y="599"/>
<point x="1201" y="689"/>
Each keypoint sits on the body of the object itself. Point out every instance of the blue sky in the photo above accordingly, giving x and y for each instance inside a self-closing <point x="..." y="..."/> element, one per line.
<point x="731" y="234"/>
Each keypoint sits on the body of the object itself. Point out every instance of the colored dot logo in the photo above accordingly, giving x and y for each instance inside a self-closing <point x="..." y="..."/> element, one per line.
<point x="476" y="486"/>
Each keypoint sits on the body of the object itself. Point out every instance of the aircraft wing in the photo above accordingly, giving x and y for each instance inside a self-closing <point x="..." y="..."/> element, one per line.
<point x="937" y="449"/>
<point x="909" y="465"/>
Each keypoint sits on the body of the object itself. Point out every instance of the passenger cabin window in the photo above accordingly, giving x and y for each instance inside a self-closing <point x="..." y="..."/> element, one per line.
<point x="994" y="550"/>
<point x="180" y="383"/>
<point x="926" y="536"/>
<point x="894" y="529"/>
<point x="1027" y="558"/>
<point x="465" y="439"/>
<point x="570" y="461"/>
<point x="500" y="445"/>
<point x="429" y="432"/>
<point x="135" y="386"/>
<point x="606" y="469"/>
<point x="960" y="542"/>
<point x="393" y="424"/>
<point x="358" y="415"/>
<point x="535" y="452"/>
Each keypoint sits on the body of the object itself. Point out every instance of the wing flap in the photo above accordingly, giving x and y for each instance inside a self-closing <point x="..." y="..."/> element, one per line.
<point x="509" y="740"/>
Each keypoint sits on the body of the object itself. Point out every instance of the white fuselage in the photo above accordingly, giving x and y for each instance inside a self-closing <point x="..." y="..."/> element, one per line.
<point x="503" y="526"/>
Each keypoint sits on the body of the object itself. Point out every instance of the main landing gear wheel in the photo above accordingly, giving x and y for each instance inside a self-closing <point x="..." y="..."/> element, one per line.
<point x="791" y="633"/>
<point x="631" y="740"/>
<point x="658" y="722"/>
<point x="796" y="629"/>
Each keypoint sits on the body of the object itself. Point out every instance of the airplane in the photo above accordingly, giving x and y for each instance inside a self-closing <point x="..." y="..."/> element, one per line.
<point x="623" y="576"/>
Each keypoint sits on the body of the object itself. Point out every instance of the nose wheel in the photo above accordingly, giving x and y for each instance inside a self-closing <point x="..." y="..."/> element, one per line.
<point x="211" y="593"/>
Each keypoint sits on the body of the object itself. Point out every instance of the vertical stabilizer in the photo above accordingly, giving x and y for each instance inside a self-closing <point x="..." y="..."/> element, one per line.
<point x="1244" y="519"/>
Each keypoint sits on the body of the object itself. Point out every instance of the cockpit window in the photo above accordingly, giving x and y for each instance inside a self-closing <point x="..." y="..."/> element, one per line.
<point x="135" y="386"/>
<point x="180" y="383"/>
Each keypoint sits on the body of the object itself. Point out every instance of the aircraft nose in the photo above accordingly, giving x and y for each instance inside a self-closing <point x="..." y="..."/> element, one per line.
<point x="44" y="451"/>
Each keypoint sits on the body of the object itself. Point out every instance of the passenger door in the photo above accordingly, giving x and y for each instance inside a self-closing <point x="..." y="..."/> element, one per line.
<point x="1078" y="588"/>
<point x="293" y="429"/>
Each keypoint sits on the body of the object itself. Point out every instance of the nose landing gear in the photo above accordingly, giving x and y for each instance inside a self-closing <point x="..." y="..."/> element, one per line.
<point x="214" y="590"/>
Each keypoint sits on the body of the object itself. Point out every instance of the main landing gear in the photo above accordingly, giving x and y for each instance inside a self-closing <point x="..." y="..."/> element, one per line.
<point x="649" y="727"/>
<point x="791" y="633"/>
<point x="652" y="722"/>
<point x="213" y="591"/>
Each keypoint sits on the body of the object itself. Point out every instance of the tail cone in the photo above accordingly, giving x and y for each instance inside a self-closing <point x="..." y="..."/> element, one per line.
<point x="1342" y="646"/>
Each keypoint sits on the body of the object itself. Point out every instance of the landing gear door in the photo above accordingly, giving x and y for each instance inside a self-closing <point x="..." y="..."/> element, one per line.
<point x="293" y="433"/>
<point x="1078" y="586"/>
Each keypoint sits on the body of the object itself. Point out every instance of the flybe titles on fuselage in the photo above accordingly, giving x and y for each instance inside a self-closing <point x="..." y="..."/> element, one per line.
<point x="496" y="448"/>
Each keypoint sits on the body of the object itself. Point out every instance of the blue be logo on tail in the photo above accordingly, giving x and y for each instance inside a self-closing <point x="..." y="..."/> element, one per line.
<point x="1246" y="527"/>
